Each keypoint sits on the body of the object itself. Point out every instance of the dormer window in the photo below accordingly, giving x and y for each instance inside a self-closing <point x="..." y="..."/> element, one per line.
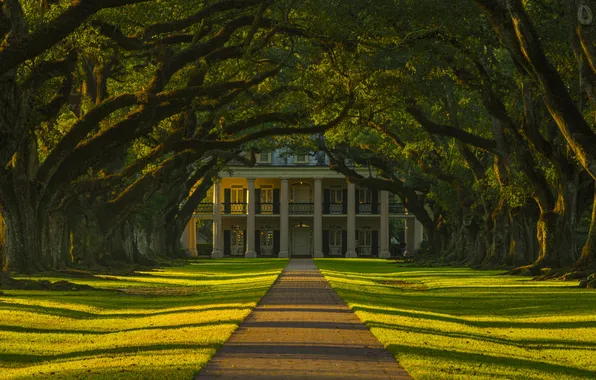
<point x="264" y="158"/>
<point x="301" y="159"/>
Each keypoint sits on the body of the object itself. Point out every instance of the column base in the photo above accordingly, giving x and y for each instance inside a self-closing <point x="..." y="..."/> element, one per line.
<point x="192" y="253"/>
<point x="351" y="254"/>
<point x="319" y="254"/>
<point x="250" y="254"/>
<point x="284" y="255"/>
<point x="384" y="255"/>
<point x="217" y="255"/>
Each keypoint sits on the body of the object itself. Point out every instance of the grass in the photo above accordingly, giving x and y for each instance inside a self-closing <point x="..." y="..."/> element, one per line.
<point x="150" y="325"/>
<point x="457" y="323"/>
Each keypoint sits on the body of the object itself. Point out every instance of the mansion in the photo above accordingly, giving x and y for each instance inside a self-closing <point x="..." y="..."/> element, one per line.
<point x="294" y="205"/>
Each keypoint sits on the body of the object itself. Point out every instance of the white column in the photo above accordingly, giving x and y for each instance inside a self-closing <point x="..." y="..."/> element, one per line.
<point x="218" y="251"/>
<point x="284" y="223"/>
<point x="250" y="220"/>
<point x="351" y="250"/>
<point x="318" y="221"/>
<point x="410" y="235"/>
<point x="418" y="234"/>
<point x="384" y="230"/>
<point x="189" y="238"/>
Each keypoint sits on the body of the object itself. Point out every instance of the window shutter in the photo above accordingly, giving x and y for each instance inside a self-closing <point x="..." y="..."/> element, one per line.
<point x="227" y="197"/>
<point x="326" y="200"/>
<point x="276" y="201"/>
<point x="344" y="241"/>
<point x="375" y="243"/>
<point x="344" y="199"/>
<point x="357" y="201"/>
<point x="258" y="201"/>
<point x="326" y="249"/>
<point x="227" y="242"/>
<point x="276" y="242"/>
<point x="258" y="241"/>
<point x="375" y="202"/>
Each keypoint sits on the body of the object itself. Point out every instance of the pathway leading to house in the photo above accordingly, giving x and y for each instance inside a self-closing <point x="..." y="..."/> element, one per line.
<point x="302" y="330"/>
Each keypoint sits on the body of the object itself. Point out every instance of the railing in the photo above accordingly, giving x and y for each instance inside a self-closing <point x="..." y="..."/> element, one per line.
<point x="302" y="208"/>
<point x="204" y="208"/>
<point x="367" y="208"/>
<point x="266" y="208"/>
<point x="234" y="208"/>
<point x="336" y="208"/>
<point x="396" y="208"/>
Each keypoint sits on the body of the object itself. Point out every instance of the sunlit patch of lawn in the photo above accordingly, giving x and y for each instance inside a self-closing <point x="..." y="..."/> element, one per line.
<point x="459" y="323"/>
<point x="163" y="324"/>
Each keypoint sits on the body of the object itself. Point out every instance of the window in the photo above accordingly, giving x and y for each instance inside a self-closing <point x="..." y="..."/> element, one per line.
<point x="301" y="159"/>
<point x="267" y="239"/>
<point x="264" y="157"/>
<point x="266" y="194"/>
<point x="335" y="238"/>
<point x="336" y="195"/>
<point x="237" y="194"/>
<point x="364" y="196"/>
<point x="364" y="238"/>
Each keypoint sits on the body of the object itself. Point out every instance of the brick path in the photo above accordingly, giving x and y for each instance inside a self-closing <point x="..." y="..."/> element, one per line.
<point x="302" y="330"/>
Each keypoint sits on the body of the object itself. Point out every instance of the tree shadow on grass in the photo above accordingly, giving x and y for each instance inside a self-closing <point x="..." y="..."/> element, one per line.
<point x="530" y="344"/>
<point x="481" y="324"/>
<point x="472" y="358"/>
<point x="32" y="358"/>
<point x="33" y="330"/>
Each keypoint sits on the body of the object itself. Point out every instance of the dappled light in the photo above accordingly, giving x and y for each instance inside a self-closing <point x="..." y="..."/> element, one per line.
<point x="158" y="324"/>
<point x="471" y="323"/>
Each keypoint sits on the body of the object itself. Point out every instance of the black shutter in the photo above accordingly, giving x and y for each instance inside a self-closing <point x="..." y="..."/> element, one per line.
<point x="258" y="241"/>
<point x="257" y="201"/>
<point x="326" y="200"/>
<point x="344" y="241"/>
<point x="344" y="202"/>
<point x="244" y="248"/>
<point x="227" y="197"/>
<point x="276" y="201"/>
<point x="326" y="249"/>
<point x="357" y="202"/>
<point x="375" y="243"/>
<point x="375" y="202"/>
<point x="276" y="243"/>
<point x="227" y="242"/>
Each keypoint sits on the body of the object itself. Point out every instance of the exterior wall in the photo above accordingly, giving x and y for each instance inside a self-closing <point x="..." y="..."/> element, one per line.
<point x="260" y="221"/>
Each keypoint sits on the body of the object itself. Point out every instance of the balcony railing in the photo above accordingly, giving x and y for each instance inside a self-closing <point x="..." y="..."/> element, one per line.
<point x="267" y="208"/>
<point x="396" y="208"/>
<point x="336" y="209"/>
<point x="302" y="208"/>
<point x="234" y="208"/>
<point x="204" y="208"/>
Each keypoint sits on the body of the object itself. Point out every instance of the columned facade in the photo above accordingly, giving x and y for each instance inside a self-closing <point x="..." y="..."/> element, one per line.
<point x="269" y="211"/>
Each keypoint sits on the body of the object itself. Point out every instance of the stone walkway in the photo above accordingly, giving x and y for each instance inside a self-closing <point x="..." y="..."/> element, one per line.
<point x="302" y="330"/>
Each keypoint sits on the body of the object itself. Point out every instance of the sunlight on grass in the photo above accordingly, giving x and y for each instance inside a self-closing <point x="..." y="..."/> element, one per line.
<point x="163" y="324"/>
<point x="458" y="323"/>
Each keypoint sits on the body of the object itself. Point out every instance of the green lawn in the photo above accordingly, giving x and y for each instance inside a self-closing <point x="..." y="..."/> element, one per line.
<point x="459" y="323"/>
<point x="152" y="325"/>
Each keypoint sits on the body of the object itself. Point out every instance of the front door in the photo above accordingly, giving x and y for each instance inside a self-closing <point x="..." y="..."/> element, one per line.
<point x="301" y="242"/>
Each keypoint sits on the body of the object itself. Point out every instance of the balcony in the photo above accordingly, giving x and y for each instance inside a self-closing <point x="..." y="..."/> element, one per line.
<point x="396" y="208"/>
<point x="302" y="208"/>
<point x="336" y="209"/>
<point x="204" y="208"/>
<point x="368" y="209"/>
<point x="235" y="208"/>
<point x="266" y="208"/>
